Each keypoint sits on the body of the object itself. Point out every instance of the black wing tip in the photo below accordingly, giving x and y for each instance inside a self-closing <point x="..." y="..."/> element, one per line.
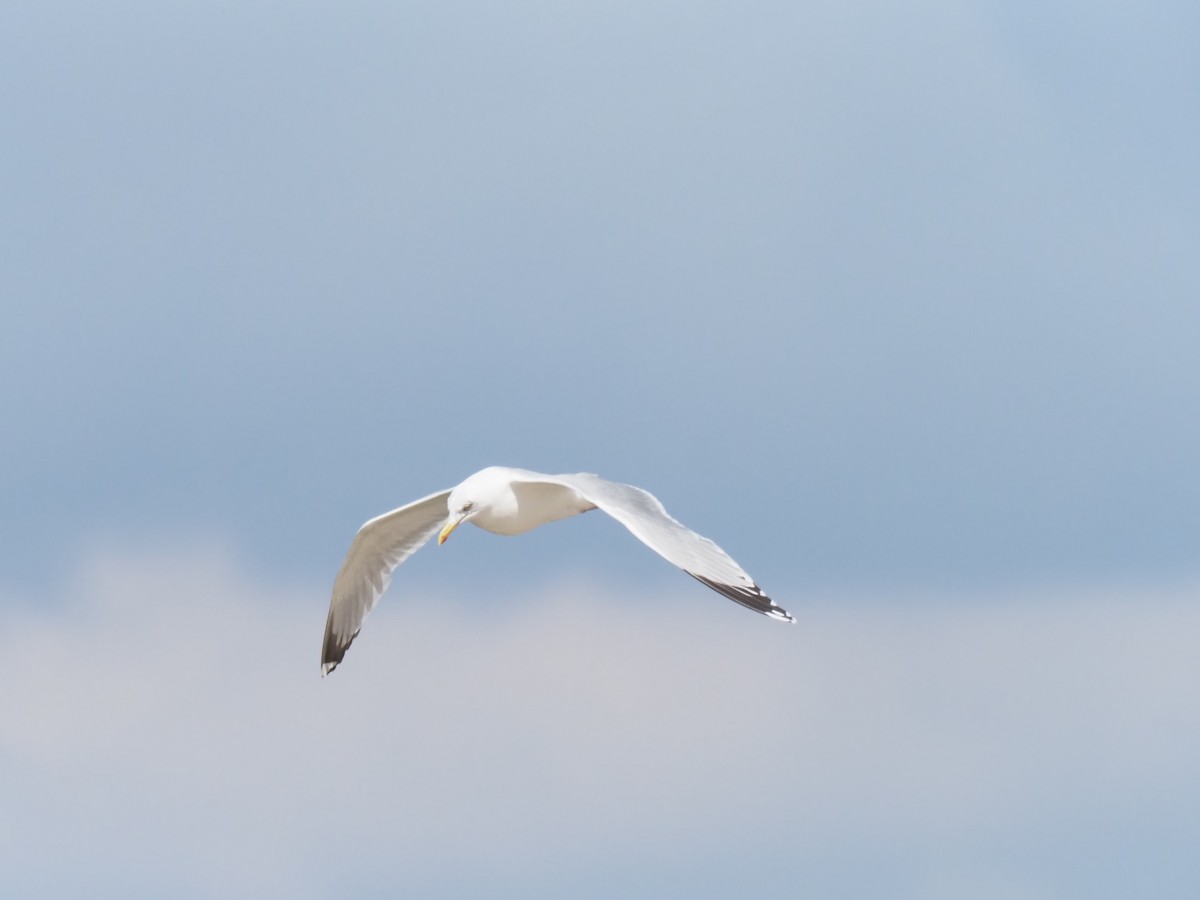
<point x="329" y="661"/>
<point x="750" y="597"/>
<point x="333" y="651"/>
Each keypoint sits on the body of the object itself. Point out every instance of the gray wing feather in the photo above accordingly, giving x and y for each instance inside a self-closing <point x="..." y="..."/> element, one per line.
<point x="643" y="514"/>
<point x="380" y="546"/>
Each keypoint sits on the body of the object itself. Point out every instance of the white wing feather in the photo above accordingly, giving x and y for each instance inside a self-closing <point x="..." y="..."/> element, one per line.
<point x="380" y="546"/>
<point x="643" y="514"/>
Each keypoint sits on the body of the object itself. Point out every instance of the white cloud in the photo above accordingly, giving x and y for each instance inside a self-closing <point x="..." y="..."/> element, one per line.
<point x="168" y="731"/>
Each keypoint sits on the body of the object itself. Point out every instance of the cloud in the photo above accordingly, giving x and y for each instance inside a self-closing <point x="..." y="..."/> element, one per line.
<point x="169" y="732"/>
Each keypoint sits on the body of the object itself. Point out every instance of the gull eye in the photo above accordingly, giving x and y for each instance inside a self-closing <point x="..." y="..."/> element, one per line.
<point x="468" y="506"/>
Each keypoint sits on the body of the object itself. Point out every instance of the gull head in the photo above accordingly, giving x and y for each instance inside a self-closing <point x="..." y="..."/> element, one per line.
<point x="459" y="513"/>
<point x="488" y="492"/>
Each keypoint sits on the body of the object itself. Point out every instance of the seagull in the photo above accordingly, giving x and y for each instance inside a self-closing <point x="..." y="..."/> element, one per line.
<point x="509" y="502"/>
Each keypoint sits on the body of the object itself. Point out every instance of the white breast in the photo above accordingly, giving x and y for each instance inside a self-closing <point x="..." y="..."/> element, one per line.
<point x="531" y="505"/>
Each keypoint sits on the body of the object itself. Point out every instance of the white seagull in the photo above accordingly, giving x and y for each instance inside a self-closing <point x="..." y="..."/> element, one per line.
<point x="513" y="501"/>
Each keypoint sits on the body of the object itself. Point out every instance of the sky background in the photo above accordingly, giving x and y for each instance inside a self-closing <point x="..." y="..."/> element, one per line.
<point x="900" y="306"/>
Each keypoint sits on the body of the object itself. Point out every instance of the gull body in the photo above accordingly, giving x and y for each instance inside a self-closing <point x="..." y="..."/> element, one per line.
<point x="502" y="501"/>
<point x="510" y="502"/>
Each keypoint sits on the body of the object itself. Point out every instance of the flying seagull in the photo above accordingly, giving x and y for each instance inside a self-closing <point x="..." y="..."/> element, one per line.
<point x="513" y="501"/>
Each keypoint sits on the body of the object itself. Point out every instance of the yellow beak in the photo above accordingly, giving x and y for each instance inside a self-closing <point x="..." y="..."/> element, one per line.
<point x="450" y="526"/>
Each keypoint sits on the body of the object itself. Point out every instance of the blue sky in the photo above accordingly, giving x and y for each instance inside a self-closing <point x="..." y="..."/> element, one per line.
<point x="900" y="306"/>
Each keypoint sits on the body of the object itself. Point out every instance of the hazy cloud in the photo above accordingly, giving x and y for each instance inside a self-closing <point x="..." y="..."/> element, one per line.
<point x="170" y="733"/>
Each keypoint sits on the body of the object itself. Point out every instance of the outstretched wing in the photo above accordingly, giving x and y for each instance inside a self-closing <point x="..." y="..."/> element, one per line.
<point x="378" y="548"/>
<point x="643" y="514"/>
